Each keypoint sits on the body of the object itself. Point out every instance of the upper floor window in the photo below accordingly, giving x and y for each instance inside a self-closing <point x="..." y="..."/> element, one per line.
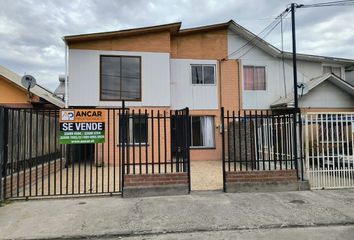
<point x="335" y="70"/>
<point x="120" y="78"/>
<point x="203" y="74"/>
<point x="254" y="78"/>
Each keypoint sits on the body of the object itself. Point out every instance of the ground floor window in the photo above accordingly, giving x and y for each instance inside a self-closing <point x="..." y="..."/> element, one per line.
<point x="137" y="129"/>
<point x="202" y="131"/>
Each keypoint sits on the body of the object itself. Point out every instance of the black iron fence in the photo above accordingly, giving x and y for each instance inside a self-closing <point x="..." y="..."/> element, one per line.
<point x="141" y="141"/>
<point x="154" y="141"/>
<point x="258" y="140"/>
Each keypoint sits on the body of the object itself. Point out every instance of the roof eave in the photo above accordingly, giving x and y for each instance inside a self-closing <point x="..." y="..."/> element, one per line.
<point x="171" y="27"/>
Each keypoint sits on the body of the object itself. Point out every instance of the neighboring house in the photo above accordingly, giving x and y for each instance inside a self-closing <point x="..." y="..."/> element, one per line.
<point x="204" y="68"/>
<point x="13" y="94"/>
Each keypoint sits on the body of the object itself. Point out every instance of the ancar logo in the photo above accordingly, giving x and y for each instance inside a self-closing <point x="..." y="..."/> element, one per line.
<point x="67" y="116"/>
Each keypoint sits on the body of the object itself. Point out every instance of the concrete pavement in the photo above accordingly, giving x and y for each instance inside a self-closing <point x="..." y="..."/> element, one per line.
<point x="311" y="233"/>
<point x="200" y="212"/>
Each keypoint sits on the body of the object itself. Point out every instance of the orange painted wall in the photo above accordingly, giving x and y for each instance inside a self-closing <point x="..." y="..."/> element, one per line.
<point x="230" y="85"/>
<point x="205" y="45"/>
<point x="10" y="93"/>
<point x="153" y="42"/>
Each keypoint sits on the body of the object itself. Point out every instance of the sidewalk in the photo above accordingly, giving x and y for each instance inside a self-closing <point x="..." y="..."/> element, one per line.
<point x="198" y="212"/>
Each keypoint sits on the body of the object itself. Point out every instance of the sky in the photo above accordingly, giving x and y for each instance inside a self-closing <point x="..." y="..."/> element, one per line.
<point x="31" y="31"/>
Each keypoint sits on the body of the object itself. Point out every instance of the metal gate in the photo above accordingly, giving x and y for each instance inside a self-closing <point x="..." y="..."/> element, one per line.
<point x="140" y="141"/>
<point x="155" y="142"/>
<point x="328" y="149"/>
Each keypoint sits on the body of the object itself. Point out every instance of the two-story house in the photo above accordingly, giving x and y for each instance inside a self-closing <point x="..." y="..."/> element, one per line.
<point x="205" y="68"/>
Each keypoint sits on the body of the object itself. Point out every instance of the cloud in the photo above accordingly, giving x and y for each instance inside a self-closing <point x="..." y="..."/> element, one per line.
<point x="31" y="31"/>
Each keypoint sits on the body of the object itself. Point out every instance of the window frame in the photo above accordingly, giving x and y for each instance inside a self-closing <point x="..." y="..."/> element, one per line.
<point x="202" y="65"/>
<point x="100" y="76"/>
<point x="265" y="77"/>
<point x="191" y="134"/>
<point x="130" y="131"/>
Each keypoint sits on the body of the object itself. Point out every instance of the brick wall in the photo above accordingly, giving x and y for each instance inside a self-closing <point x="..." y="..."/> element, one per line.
<point x="24" y="177"/>
<point x="145" y="180"/>
<point x="261" y="176"/>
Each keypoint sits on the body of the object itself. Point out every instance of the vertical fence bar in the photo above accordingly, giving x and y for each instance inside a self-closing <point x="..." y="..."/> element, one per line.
<point x="245" y="137"/>
<point x="133" y="139"/>
<point x="228" y="140"/>
<point x="24" y="153"/>
<point x="188" y="139"/>
<point x="140" y="134"/>
<point x="152" y="142"/>
<point x="48" y="149"/>
<point x="252" y="153"/>
<point x="146" y="145"/>
<point x="165" y="140"/>
<point x="123" y="129"/>
<point x="4" y="130"/>
<point x="257" y="143"/>
<point x="239" y="139"/>
<point x="37" y="149"/>
<point x="108" y="149"/>
<point x="234" y="138"/>
<point x="12" y="149"/>
<point x="262" y="140"/>
<point x="55" y="150"/>
<point x="223" y="147"/>
<point x="18" y="152"/>
<point x="158" y="140"/>
<point x="114" y="150"/>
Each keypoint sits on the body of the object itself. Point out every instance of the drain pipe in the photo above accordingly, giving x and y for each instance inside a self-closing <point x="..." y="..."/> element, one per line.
<point x="66" y="74"/>
<point x="219" y="76"/>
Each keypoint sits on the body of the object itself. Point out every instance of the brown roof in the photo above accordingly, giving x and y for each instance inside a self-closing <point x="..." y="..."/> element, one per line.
<point x="172" y="27"/>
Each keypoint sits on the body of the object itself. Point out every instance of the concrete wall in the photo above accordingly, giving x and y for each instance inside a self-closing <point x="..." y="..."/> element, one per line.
<point x="84" y="78"/>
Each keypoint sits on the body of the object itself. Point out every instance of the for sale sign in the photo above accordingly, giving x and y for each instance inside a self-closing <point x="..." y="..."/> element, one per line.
<point x="80" y="126"/>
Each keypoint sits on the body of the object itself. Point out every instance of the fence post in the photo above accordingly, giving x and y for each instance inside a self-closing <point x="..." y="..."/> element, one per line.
<point x="187" y="145"/>
<point x="3" y="150"/>
<point x="301" y="146"/>
<point x="223" y="147"/>
<point x="122" y="144"/>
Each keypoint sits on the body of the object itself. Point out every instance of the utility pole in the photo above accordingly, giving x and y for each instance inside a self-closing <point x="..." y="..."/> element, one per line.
<point x="297" y="112"/>
<point x="293" y="6"/>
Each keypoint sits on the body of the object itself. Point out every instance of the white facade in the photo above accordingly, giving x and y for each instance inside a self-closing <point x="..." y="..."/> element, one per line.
<point x="84" y="78"/>
<point x="184" y="93"/>
<point x="279" y="82"/>
<point x="327" y="95"/>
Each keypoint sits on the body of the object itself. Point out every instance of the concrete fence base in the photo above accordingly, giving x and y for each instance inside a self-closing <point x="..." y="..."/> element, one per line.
<point x="264" y="181"/>
<point x="146" y="185"/>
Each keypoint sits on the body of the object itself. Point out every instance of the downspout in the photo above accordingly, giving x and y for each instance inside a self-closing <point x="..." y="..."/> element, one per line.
<point x="66" y="74"/>
<point x="239" y="79"/>
<point x="220" y="91"/>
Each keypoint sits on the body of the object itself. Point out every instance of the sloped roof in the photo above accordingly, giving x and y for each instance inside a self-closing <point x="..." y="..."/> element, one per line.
<point x="175" y="28"/>
<point x="313" y="83"/>
<point x="172" y="27"/>
<point x="37" y="90"/>
<point x="275" y="52"/>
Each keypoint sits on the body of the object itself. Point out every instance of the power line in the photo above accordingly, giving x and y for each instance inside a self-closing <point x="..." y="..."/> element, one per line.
<point x="256" y="44"/>
<point x="327" y="4"/>
<point x="266" y="30"/>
